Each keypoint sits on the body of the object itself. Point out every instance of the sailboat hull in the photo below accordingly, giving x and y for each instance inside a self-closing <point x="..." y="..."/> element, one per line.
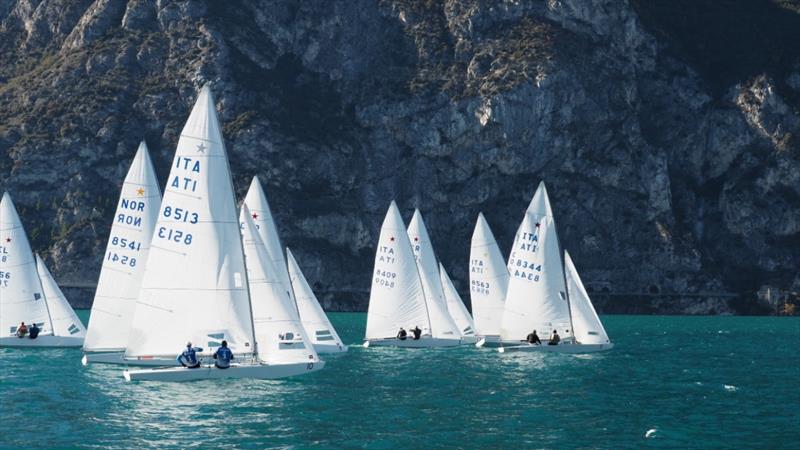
<point x="469" y="339"/>
<point x="411" y="343"/>
<point x="329" y="349"/>
<point x="42" y="341"/>
<point x="564" y="348"/>
<point x="209" y="372"/>
<point x="119" y="358"/>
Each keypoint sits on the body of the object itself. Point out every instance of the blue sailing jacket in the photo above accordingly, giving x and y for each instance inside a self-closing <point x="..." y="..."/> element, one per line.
<point x="223" y="355"/>
<point x="189" y="356"/>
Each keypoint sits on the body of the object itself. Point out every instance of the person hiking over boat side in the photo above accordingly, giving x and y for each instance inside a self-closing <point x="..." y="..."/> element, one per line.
<point x="189" y="356"/>
<point x="223" y="356"/>
<point x="33" y="333"/>
<point x="402" y="335"/>
<point x="533" y="338"/>
<point x="22" y="330"/>
<point x="555" y="339"/>
<point x="417" y="333"/>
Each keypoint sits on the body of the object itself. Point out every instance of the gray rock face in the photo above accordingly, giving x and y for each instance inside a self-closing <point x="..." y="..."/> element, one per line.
<point x="672" y="194"/>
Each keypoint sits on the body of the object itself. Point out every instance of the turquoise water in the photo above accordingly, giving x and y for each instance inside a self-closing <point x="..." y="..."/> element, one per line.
<point x="700" y="382"/>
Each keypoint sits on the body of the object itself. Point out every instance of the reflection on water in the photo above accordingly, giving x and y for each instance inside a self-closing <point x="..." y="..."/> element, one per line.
<point x="687" y="378"/>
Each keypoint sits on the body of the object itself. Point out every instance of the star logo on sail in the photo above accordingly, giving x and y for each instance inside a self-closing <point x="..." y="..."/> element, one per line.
<point x="201" y="148"/>
<point x="8" y="239"/>
<point x="140" y="192"/>
<point x="255" y="216"/>
<point x="391" y="239"/>
<point x="416" y="238"/>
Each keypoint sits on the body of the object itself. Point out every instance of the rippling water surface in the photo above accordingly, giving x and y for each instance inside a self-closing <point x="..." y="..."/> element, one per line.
<point x="699" y="382"/>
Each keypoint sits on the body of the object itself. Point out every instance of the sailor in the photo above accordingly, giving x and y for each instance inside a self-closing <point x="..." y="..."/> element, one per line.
<point x="189" y="356"/>
<point x="417" y="333"/>
<point x="555" y="339"/>
<point x="22" y="330"/>
<point x="223" y="356"/>
<point x="402" y="334"/>
<point x="34" y="331"/>
<point x="533" y="338"/>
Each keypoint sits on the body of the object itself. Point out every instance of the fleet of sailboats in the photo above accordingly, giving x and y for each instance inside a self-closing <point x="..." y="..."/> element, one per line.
<point x="28" y="293"/>
<point x="191" y="269"/>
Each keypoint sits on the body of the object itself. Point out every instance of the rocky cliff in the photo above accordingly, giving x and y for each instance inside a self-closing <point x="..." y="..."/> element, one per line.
<point x="667" y="132"/>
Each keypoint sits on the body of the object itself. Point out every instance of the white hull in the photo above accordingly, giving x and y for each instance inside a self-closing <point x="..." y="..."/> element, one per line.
<point x="209" y="372"/>
<point x="42" y="341"/>
<point x="562" y="348"/>
<point x="328" y="349"/>
<point x="119" y="358"/>
<point x="411" y="343"/>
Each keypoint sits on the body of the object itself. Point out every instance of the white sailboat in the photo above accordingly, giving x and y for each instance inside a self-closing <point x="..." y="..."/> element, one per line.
<point x="396" y="298"/>
<point x="457" y="309"/>
<point x="22" y="296"/>
<point x="316" y="323"/>
<point x="123" y="265"/>
<point x="488" y="279"/>
<point x="65" y="321"/>
<point x="195" y="285"/>
<point x="589" y="331"/>
<point x="537" y="297"/>
<point x="442" y="324"/>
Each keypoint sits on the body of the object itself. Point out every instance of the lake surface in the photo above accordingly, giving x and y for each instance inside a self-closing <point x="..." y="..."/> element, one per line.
<point x="699" y="382"/>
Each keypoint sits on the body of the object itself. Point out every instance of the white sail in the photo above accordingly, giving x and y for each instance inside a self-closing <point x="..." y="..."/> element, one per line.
<point x="588" y="328"/>
<point x="65" y="321"/>
<point x="256" y="202"/>
<point x="315" y="321"/>
<point x="195" y="284"/>
<point x="279" y="333"/>
<point x="488" y="279"/>
<point x="442" y="323"/>
<point x="125" y="257"/>
<point x="455" y="306"/>
<point x="396" y="298"/>
<point x="536" y="298"/>
<point x="21" y="294"/>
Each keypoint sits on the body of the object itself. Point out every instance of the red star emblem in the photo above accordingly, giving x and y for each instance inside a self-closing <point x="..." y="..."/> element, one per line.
<point x="391" y="238"/>
<point x="255" y="216"/>
<point x="416" y="239"/>
<point x="8" y="239"/>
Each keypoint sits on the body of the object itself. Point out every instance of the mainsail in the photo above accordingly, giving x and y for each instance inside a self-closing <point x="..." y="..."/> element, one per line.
<point x="488" y="279"/>
<point x="125" y="257"/>
<point x="195" y="284"/>
<point x="313" y="317"/>
<point x="261" y="214"/>
<point x="536" y="298"/>
<point x="442" y="323"/>
<point x="455" y="306"/>
<point x="588" y="328"/>
<point x="65" y="321"/>
<point x="21" y="293"/>
<point x="396" y="298"/>
<point x="279" y="333"/>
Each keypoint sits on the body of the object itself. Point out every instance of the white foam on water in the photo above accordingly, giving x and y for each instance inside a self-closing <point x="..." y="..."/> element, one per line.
<point x="650" y="433"/>
<point x="730" y="388"/>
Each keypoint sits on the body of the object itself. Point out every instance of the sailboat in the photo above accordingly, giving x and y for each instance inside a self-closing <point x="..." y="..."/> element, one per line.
<point x="442" y="324"/>
<point x="313" y="318"/>
<point x="195" y="286"/>
<point x="456" y="308"/>
<point x="488" y="279"/>
<point x="316" y="323"/>
<point x="537" y="297"/>
<point x="589" y="331"/>
<point x="23" y="296"/>
<point x="397" y="298"/>
<point x="123" y="265"/>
